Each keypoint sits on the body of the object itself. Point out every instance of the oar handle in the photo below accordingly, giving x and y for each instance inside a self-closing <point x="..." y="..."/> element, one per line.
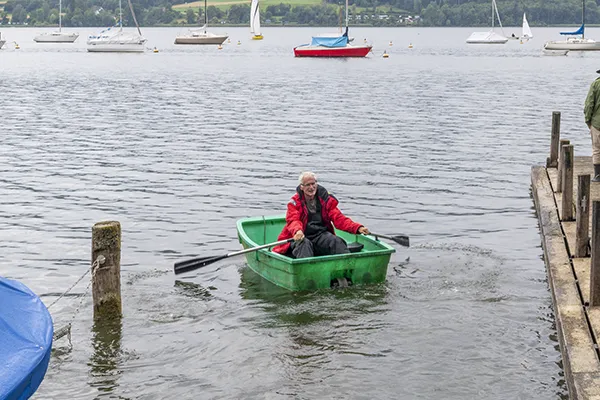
<point x="264" y="246"/>
<point x="383" y="236"/>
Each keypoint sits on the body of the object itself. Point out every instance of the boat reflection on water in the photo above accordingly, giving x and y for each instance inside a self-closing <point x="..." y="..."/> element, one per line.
<point x="284" y="307"/>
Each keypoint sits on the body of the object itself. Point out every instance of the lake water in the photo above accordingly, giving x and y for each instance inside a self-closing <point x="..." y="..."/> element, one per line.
<point x="436" y="141"/>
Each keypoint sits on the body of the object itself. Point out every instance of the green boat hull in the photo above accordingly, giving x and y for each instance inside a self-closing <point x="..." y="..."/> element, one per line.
<point x="364" y="267"/>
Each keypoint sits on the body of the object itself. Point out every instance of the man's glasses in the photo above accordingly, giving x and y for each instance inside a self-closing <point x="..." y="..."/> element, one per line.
<point x="309" y="184"/>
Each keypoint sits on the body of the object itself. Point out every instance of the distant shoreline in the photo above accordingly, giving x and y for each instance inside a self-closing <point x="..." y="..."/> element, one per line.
<point x="216" y="26"/>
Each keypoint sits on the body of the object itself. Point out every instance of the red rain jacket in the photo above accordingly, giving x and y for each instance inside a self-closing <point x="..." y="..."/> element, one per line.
<point x="296" y="217"/>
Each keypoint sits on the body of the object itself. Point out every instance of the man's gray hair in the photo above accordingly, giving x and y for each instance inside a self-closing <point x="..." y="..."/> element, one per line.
<point x="305" y="175"/>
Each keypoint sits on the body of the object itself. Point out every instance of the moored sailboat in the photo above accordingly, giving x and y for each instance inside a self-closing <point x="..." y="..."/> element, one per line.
<point x="576" y="40"/>
<point x="201" y="35"/>
<point x="57" y="36"/>
<point x="332" y="46"/>
<point x="490" y="37"/>
<point x="118" y="41"/>
<point x="255" y="21"/>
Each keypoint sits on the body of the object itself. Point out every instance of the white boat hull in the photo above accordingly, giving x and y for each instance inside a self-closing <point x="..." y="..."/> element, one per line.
<point x="490" y="37"/>
<point x="200" y="39"/>
<point x="547" y="52"/>
<point x="573" y="44"/>
<point x="56" y="37"/>
<point x="116" y="47"/>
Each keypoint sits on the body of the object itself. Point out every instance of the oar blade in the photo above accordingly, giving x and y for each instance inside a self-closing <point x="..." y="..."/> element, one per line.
<point x="195" y="263"/>
<point x="402" y="240"/>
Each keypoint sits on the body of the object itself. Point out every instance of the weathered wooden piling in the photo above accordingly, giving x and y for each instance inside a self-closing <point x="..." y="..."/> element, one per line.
<point x="559" y="185"/>
<point x="106" y="269"/>
<point x="554" y="144"/>
<point x="567" y="182"/>
<point x="582" y="212"/>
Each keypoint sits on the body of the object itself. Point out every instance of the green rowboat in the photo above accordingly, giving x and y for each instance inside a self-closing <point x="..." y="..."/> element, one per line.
<point x="369" y="265"/>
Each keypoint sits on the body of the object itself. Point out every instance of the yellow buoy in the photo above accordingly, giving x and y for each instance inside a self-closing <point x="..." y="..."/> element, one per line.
<point x="385" y="54"/>
<point x="410" y="46"/>
<point x="155" y="50"/>
<point x="239" y="42"/>
<point x="228" y="40"/>
<point x="219" y="47"/>
<point x="365" y="40"/>
<point x="17" y="46"/>
<point x="390" y="42"/>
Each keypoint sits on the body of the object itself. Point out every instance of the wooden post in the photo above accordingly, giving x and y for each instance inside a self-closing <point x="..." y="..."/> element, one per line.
<point x="567" y="182"/>
<point x="551" y="162"/>
<point x="106" y="269"/>
<point x="559" y="185"/>
<point x="583" y="216"/>
<point x="595" y="262"/>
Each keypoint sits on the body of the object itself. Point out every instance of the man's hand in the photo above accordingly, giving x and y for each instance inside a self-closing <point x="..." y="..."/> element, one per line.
<point x="299" y="236"/>
<point x="364" y="230"/>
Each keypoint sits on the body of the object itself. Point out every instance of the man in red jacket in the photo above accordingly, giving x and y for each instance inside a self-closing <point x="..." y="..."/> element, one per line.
<point x="311" y="215"/>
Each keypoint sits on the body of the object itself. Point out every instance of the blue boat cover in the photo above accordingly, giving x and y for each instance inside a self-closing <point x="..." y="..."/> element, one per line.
<point x="577" y="32"/>
<point x="25" y="340"/>
<point x="336" y="41"/>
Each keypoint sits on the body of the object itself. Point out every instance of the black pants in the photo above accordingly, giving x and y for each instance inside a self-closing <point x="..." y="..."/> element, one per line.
<point x="323" y="245"/>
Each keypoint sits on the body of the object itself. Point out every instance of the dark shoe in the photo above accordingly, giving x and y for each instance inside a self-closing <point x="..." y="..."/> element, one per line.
<point x="596" y="177"/>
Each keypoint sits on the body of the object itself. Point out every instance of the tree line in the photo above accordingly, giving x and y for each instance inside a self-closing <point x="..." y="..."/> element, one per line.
<point x="79" y="13"/>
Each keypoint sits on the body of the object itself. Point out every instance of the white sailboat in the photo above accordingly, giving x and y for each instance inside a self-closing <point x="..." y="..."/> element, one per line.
<point x="576" y="40"/>
<point x="526" y="34"/>
<point x="200" y="35"/>
<point x="255" y="21"/>
<point x="118" y="41"/>
<point x="490" y="37"/>
<point x="57" y="36"/>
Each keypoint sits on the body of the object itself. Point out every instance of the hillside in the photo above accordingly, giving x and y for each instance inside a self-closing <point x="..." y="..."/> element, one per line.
<point x="80" y="13"/>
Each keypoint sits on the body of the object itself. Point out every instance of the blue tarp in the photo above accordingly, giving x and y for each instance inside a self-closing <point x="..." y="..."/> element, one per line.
<point x="337" y="41"/>
<point x="25" y="340"/>
<point x="577" y="32"/>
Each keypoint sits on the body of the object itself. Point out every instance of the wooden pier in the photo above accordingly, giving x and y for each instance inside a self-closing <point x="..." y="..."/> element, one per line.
<point x="568" y="210"/>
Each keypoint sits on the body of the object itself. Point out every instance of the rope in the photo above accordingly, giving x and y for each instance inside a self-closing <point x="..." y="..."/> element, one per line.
<point x="66" y="330"/>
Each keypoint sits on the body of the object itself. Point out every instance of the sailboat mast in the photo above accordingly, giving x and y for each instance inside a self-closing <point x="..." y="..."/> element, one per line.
<point x="120" y="16"/>
<point x="59" y="14"/>
<point x="205" y="17"/>
<point x="493" y="17"/>
<point x="583" y="19"/>
<point x="346" y="15"/>
<point x="134" y="18"/>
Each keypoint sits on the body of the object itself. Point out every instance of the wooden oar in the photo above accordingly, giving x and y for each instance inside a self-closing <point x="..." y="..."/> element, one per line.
<point x="195" y="263"/>
<point x="401" y="239"/>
